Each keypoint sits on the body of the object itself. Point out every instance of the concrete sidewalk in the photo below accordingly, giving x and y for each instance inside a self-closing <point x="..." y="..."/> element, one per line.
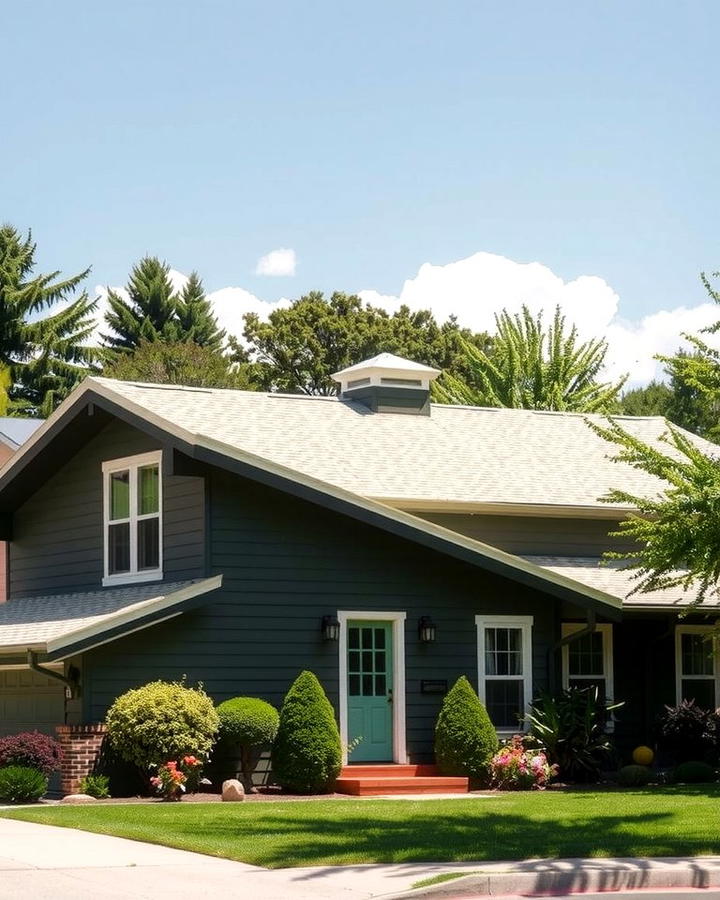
<point x="49" y="863"/>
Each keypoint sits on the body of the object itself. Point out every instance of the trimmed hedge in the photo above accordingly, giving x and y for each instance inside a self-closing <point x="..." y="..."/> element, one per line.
<point x="31" y="749"/>
<point x="634" y="776"/>
<point x="694" y="772"/>
<point x="21" y="784"/>
<point x="307" y="755"/>
<point x="251" y="724"/>
<point x="160" y="721"/>
<point x="465" y="740"/>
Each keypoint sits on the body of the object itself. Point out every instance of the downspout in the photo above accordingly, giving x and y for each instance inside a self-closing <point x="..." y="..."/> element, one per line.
<point x="72" y="685"/>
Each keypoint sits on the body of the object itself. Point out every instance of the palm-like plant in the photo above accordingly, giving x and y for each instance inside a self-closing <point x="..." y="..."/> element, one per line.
<point x="46" y="353"/>
<point x="531" y="367"/>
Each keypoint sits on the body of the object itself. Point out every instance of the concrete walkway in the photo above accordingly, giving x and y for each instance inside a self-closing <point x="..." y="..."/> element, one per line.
<point x="49" y="863"/>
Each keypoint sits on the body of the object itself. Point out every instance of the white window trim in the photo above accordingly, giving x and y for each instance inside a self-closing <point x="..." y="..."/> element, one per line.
<point x="132" y="464"/>
<point x="525" y="624"/>
<point x="680" y="630"/>
<point x="606" y="630"/>
<point x="398" y="705"/>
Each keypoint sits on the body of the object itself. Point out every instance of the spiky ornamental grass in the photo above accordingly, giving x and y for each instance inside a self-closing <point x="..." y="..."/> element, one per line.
<point x="676" y="531"/>
<point x="46" y="353"/>
<point x="533" y="367"/>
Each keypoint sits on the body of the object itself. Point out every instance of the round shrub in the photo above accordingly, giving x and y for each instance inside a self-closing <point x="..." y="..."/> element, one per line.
<point x="160" y="721"/>
<point x="694" y="772"/>
<point x="465" y="740"/>
<point x="251" y="724"/>
<point x="33" y="749"/>
<point x="634" y="776"/>
<point x="21" y="784"/>
<point x="688" y="732"/>
<point x="306" y="755"/>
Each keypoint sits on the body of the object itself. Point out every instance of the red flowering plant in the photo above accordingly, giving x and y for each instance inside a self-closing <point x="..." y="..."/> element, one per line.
<point x="173" y="777"/>
<point x="521" y="766"/>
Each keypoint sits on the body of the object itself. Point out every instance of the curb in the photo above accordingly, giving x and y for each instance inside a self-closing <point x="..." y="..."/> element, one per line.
<point x="575" y="876"/>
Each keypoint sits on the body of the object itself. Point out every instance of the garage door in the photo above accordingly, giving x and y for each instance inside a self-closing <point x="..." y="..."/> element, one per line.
<point x="30" y="702"/>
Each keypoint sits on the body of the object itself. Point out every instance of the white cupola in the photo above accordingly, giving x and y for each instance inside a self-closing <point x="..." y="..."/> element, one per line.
<point x="388" y="383"/>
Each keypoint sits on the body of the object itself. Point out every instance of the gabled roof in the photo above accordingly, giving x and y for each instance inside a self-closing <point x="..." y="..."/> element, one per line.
<point x="175" y="412"/>
<point x="456" y="458"/>
<point x="58" y="625"/>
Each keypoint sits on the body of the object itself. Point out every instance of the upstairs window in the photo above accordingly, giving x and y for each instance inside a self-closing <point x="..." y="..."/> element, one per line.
<point x="132" y="501"/>
<point x="505" y="669"/>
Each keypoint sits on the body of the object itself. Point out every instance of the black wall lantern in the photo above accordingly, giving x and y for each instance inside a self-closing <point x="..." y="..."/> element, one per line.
<point x="330" y="628"/>
<point x="426" y="630"/>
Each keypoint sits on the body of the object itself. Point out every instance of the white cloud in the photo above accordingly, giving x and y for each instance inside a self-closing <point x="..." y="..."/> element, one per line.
<point x="276" y="263"/>
<point x="475" y="288"/>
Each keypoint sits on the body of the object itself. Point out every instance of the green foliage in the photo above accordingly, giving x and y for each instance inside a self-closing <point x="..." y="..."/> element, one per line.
<point x="634" y="776"/>
<point x="306" y="755"/>
<point x="299" y="348"/>
<point x="163" y="362"/>
<point x="252" y="724"/>
<point x="155" y="312"/>
<point x="46" y="352"/>
<point x="571" y="727"/>
<point x="21" y="784"/>
<point x="465" y="740"/>
<point x="97" y="786"/>
<point x="161" y="720"/>
<point x="533" y="367"/>
<point x="694" y="772"/>
<point x="676" y="531"/>
<point x="652" y="400"/>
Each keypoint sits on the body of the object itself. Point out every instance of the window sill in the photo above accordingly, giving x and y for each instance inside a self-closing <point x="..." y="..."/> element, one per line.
<point x="137" y="578"/>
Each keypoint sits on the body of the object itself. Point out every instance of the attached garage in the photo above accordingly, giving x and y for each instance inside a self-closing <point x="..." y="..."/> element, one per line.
<point x="30" y="702"/>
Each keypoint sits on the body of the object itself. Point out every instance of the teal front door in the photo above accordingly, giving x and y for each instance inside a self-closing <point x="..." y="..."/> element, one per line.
<point x="370" y="687"/>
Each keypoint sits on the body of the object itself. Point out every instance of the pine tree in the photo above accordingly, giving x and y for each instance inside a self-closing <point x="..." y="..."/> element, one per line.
<point x="45" y="353"/>
<point x="531" y="367"/>
<point x="196" y="323"/>
<point x="150" y="312"/>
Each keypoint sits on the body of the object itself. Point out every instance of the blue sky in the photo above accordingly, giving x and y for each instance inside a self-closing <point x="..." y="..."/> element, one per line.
<point x="370" y="138"/>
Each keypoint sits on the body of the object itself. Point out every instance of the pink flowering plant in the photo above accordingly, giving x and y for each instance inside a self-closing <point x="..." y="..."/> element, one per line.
<point x="519" y="766"/>
<point x="173" y="776"/>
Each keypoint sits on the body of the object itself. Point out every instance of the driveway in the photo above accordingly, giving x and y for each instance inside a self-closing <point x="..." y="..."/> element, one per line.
<point x="49" y="863"/>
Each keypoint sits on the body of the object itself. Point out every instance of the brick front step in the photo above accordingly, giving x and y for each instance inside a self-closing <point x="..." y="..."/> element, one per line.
<point x="381" y="780"/>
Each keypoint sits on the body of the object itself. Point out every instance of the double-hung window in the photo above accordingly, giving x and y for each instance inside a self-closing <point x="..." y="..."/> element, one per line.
<point x="505" y="668"/>
<point x="587" y="661"/>
<point x="132" y="500"/>
<point x="696" y="665"/>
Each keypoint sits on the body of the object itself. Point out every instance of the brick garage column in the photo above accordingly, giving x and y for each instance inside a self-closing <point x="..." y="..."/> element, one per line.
<point x="81" y="748"/>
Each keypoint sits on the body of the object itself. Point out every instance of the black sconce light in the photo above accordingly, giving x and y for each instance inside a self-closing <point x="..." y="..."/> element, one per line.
<point x="330" y="628"/>
<point x="426" y="630"/>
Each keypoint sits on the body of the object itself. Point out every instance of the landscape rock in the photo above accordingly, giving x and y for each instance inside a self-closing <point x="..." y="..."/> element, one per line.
<point x="78" y="798"/>
<point x="232" y="791"/>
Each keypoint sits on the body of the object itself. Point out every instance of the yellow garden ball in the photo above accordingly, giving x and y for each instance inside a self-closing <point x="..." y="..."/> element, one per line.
<point x="643" y="756"/>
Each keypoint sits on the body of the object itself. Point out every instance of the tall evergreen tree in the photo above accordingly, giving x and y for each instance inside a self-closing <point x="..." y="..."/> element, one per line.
<point x="533" y="367"/>
<point x="46" y="353"/>
<point x="149" y="313"/>
<point x="195" y="320"/>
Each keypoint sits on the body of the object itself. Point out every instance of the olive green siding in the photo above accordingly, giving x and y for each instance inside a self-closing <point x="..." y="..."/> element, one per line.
<point x="58" y="533"/>
<point x="285" y="564"/>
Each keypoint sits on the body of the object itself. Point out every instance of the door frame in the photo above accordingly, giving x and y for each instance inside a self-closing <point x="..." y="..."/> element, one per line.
<point x="397" y="619"/>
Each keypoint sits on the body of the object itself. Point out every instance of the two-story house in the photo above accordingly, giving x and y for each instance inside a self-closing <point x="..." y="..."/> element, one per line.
<point x="386" y="543"/>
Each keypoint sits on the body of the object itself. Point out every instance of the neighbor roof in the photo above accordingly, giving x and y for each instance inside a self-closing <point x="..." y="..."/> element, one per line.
<point x="609" y="577"/>
<point x="58" y="624"/>
<point x="15" y="432"/>
<point x="458" y="456"/>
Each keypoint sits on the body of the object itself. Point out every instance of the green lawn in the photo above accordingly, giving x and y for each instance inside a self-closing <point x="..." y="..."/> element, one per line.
<point x="673" y="821"/>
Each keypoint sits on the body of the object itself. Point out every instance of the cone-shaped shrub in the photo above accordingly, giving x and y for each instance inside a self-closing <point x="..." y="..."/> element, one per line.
<point x="465" y="740"/>
<point x="306" y="756"/>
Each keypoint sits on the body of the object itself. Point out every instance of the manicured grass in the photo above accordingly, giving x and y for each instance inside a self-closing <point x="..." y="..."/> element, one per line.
<point x="440" y="879"/>
<point x="672" y="821"/>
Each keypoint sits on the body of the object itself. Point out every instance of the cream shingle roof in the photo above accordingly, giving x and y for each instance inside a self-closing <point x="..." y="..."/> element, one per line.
<point x="612" y="579"/>
<point x="50" y="622"/>
<point x="456" y="455"/>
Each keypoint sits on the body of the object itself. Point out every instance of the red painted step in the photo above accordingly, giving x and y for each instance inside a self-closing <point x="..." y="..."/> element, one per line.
<point x="382" y="780"/>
